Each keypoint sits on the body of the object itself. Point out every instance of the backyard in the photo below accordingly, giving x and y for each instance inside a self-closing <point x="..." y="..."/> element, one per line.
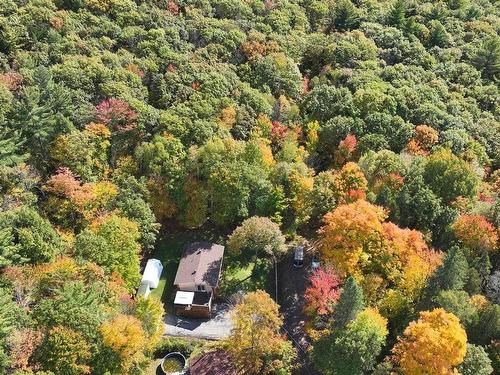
<point x="235" y="275"/>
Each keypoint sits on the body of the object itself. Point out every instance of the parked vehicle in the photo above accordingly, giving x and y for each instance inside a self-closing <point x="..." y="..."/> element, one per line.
<point x="315" y="263"/>
<point x="298" y="257"/>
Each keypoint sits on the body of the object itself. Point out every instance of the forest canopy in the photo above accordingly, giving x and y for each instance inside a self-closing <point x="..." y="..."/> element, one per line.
<point x="370" y="128"/>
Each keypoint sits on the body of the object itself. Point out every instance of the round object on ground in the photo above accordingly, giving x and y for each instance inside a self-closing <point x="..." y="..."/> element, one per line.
<point x="173" y="364"/>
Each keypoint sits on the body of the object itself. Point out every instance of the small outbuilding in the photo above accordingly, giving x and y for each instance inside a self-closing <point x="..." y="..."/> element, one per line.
<point x="150" y="277"/>
<point x="197" y="279"/>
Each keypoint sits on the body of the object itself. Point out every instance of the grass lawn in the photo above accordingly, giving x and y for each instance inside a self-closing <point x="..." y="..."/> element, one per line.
<point x="169" y="250"/>
<point x="235" y="275"/>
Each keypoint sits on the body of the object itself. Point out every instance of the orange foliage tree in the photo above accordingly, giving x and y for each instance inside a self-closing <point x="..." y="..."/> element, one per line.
<point x="357" y="242"/>
<point x="476" y="233"/>
<point x="431" y="345"/>
<point x="424" y="138"/>
<point x="346" y="149"/>
<point x="349" y="234"/>
<point x="72" y="202"/>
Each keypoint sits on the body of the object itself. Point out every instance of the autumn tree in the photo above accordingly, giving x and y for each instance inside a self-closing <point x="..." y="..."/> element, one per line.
<point x="346" y="149"/>
<point x="423" y="139"/>
<point x="359" y="243"/>
<point x="350" y="231"/>
<point x="477" y="233"/>
<point x="255" y="341"/>
<point x="124" y="337"/>
<point x="322" y="293"/>
<point x="350" y="184"/>
<point x="84" y="152"/>
<point x="433" y="344"/>
<point x="72" y="203"/>
<point x="121" y="120"/>
<point x="22" y="345"/>
<point x="64" y="351"/>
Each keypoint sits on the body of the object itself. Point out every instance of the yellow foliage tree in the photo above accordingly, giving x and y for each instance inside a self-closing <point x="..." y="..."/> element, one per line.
<point x="150" y="312"/>
<point x="432" y="345"/>
<point x="351" y="235"/>
<point x="255" y="341"/>
<point x="351" y="183"/>
<point x="124" y="335"/>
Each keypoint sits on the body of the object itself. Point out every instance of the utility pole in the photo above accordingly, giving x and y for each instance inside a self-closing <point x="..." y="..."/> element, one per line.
<point x="275" y="279"/>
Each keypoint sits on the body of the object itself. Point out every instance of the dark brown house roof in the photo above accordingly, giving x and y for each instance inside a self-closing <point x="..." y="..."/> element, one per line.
<point x="212" y="363"/>
<point x="201" y="263"/>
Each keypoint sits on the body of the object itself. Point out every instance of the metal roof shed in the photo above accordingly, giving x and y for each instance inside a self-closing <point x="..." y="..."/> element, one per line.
<point x="152" y="273"/>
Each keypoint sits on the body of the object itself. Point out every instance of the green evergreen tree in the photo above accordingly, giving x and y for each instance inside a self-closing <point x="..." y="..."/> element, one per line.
<point x="10" y="148"/>
<point x="344" y="16"/>
<point x="438" y="35"/>
<point x="43" y="112"/>
<point x="488" y="326"/>
<point x="452" y="274"/>
<point x="396" y="16"/>
<point x="352" y="349"/>
<point x="351" y="301"/>
<point x="483" y="267"/>
<point x="9" y="250"/>
<point x="7" y="317"/>
<point x="487" y="58"/>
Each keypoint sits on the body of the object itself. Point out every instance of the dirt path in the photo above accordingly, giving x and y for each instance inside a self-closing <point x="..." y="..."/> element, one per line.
<point x="292" y="283"/>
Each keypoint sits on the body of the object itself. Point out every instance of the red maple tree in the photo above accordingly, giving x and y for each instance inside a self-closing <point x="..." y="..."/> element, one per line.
<point x="323" y="292"/>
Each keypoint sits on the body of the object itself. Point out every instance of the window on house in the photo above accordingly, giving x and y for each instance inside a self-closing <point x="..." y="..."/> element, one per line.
<point x="201" y="287"/>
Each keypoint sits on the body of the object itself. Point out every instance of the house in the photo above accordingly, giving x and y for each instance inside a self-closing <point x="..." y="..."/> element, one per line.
<point x="150" y="278"/>
<point x="217" y="362"/>
<point x="197" y="279"/>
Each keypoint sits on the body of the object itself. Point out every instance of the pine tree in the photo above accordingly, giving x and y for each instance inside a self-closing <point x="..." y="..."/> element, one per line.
<point x="10" y="148"/>
<point x="396" y="16"/>
<point x="453" y="273"/>
<point x="43" y="112"/>
<point x="9" y="251"/>
<point x="438" y="35"/>
<point x="483" y="268"/>
<point x="344" y="16"/>
<point x="351" y="301"/>
<point x="487" y="58"/>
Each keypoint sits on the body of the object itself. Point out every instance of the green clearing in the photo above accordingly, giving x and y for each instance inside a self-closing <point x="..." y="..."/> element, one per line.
<point x="235" y="275"/>
<point x="169" y="250"/>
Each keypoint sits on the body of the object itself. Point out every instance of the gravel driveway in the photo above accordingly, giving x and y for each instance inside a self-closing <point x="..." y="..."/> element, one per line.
<point x="216" y="328"/>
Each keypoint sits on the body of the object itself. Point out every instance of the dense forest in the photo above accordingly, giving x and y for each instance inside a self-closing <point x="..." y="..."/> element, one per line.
<point x="369" y="129"/>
